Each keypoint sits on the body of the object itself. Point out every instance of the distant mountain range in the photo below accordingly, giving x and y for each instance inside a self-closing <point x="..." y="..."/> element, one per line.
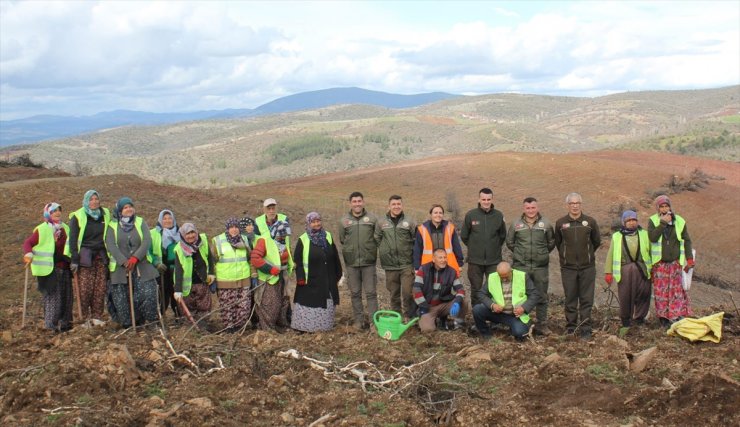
<point x="45" y="127"/>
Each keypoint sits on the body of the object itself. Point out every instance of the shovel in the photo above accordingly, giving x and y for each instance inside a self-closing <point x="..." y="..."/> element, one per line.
<point x="186" y="312"/>
<point x="76" y="288"/>
<point x="25" y="298"/>
<point x="131" y="300"/>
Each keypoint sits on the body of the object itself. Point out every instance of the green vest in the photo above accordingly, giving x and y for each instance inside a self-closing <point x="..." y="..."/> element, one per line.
<point x="617" y="253"/>
<point x="272" y="257"/>
<point x="187" y="264"/>
<point x="112" y="265"/>
<point x="306" y="245"/>
<point x="42" y="263"/>
<point x="233" y="263"/>
<point x="518" y="290"/>
<point x="656" y="248"/>
<point x="261" y="223"/>
<point x="82" y="222"/>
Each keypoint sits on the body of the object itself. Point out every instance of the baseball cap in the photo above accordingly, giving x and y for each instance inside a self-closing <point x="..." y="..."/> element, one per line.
<point x="269" y="202"/>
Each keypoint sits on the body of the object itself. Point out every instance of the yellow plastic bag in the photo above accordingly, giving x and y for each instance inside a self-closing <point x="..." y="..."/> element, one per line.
<point x="708" y="328"/>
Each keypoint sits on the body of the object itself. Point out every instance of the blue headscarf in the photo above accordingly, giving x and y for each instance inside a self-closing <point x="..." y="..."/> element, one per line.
<point x="92" y="213"/>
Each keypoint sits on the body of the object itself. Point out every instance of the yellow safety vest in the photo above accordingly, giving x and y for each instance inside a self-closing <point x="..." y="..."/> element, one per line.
<point x="272" y="257"/>
<point x="306" y="245"/>
<point x="233" y="263"/>
<point x="156" y="248"/>
<point x="42" y="263"/>
<point x="81" y="215"/>
<point x="187" y="264"/>
<point x="261" y="223"/>
<point x="518" y="290"/>
<point x="656" y="248"/>
<point x="617" y="253"/>
<point x="138" y="222"/>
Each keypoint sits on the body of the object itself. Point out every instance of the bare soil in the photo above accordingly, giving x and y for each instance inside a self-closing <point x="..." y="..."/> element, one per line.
<point x="105" y="376"/>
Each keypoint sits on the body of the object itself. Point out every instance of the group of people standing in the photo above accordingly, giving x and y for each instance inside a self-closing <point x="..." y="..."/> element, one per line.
<point x="115" y="257"/>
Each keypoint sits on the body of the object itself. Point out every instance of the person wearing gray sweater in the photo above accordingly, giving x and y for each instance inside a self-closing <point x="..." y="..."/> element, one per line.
<point x="127" y="242"/>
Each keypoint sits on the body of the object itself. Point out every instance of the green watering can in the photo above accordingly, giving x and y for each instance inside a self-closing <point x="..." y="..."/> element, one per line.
<point x="389" y="324"/>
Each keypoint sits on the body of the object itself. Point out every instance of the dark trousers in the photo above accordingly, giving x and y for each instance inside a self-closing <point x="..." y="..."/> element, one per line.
<point x="167" y="292"/>
<point x="578" y="286"/>
<point x="478" y="276"/>
<point x="399" y="284"/>
<point x="541" y="279"/>
<point x="481" y="314"/>
<point x="634" y="295"/>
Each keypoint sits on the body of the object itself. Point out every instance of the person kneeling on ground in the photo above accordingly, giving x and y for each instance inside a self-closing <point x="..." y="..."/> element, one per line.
<point x="507" y="299"/>
<point x="438" y="292"/>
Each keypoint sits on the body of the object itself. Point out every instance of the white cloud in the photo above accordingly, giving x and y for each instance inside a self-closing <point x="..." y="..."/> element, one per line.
<point x="84" y="57"/>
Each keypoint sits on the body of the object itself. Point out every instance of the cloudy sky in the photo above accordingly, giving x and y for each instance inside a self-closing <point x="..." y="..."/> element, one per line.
<point x="83" y="57"/>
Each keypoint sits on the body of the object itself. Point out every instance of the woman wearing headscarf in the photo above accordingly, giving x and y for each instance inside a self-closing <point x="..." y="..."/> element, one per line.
<point x="194" y="270"/>
<point x="318" y="271"/>
<point x="165" y="237"/>
<point x="233" y="275"/>
<point x="246" y="225"/>
<point x="48" y="253"/>
<point x="671" y="251"/>
<point x="128" y="240"/>
<point x="628" y="263"/>
<point x="270" y="256"/>
<point x="88" y="226"/>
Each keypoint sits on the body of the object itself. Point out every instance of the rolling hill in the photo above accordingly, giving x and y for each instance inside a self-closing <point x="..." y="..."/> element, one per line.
<point x="44" y="127"/>
<point x="227" y="152"/>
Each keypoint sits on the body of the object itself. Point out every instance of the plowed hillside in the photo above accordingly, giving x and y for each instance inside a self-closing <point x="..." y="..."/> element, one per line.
<point x="106" y="376"/>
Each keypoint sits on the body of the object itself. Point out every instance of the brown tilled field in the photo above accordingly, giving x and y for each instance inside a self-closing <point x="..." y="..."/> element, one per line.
<point x="106" y="376"/>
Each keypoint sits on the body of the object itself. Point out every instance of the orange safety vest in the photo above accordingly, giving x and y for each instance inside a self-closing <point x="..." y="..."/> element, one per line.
<point x="427" y="253"/>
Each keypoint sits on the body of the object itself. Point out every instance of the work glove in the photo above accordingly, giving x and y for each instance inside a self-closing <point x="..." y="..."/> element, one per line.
<point x="178" y="296"/>
<point x="608" y="278"/>
<point x="455" y="309"/>
<point x="74" y="268"/>
<point x="210" y="279"/>
<point x="131" y="263"/>
<point x="162" y="268"/>
<point x="213" y="287"/>
<point x="27" y="258"/>
<point x="301" y="282"/>
<point x="274" y="271"/>
<point x="689" y="265"/>
<point x="423" y="309"/>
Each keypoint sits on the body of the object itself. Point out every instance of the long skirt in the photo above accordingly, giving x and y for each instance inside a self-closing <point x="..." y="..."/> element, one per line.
<point x="235" y="305"/>
<point x="92" y="282"/>
<point x="145" y="302"/>
<point x="671" y="301"/>
<point x="57" y="296"/>
<point x="199" y="300"/>
<point x="271" y="305"/>
<point x="634" y="295"/>
<point x="313" y="319"/>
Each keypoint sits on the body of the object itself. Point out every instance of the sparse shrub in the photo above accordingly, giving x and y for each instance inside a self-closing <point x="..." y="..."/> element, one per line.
<point x="81" y="170"/>
<point x="453" y="208"/>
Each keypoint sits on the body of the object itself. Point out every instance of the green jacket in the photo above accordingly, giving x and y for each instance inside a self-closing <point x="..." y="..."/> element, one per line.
<point x="395" y="242"/>
<point x="484" y="233"/>
<point x="357" y="236"/>
<point x="531" y="246"/>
